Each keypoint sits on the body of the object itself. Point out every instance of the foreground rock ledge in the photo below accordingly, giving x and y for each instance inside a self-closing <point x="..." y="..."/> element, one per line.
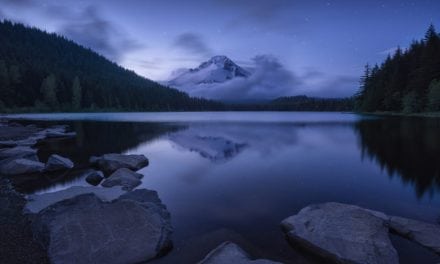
<point x="228" y="253"/>
<point x="132" y="229"/>
<point x="351" y="234"/>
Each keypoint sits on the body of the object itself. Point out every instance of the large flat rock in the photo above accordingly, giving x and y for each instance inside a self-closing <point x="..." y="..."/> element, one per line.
<point x="342" y="233"/>
<point x="228" y="253"/>
<point x="37" y="202"/>
<point x="109" y="163"/>
<point x="134" y="228"/>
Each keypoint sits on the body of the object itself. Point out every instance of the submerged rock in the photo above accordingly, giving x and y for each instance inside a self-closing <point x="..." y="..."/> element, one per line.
<point x="21" y="166"/>
<point x="342" y="233"/>
<point x="125" y="178"/>
<point x="425" y="234"/>
<point x="93" y="177"/>
<point x="56" y="162"/>
<point x="109" y="163"/>
<point x="132" y="229"/>
<point x="231" y="253"/>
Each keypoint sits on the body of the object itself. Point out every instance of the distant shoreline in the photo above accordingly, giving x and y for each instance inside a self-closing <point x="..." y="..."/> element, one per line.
<point x="422" y="114"/>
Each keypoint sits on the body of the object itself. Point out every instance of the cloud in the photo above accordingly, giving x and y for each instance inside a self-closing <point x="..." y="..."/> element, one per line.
<point x="269" y="79"/>
<point x="90" y="29"/>
<point x="389" y="51"/>
<point x="332" y="86"/>
<point x="83" y="24"/>
<point x="265" y="16"/>
<point x="192" y="43"/>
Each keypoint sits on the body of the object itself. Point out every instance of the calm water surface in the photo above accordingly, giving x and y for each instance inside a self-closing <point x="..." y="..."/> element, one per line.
<point x="235" y="176"/>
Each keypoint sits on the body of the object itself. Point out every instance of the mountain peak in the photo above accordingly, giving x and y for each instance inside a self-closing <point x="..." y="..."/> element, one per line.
<point x="217" y="69"/>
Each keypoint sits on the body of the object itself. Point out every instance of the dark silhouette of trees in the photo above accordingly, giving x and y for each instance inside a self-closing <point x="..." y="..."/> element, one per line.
<point x="47" y="72"/>
<point x="402" y="81"/>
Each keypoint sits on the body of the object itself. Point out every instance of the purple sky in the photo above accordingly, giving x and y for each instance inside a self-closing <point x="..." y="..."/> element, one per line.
<point x="322" y="45"/>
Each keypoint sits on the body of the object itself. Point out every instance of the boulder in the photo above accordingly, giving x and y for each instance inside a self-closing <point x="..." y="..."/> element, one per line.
<point x="18" y="152"/>
<point x="56" y="162"/>
<point x="37" y="202"/>
<point x="229" y="252"/>
<point x="342" y="233"/>
<point x="109" y="163"/>
<point x="135" y="228"/>
<point x="93" y="177"/>
<point x="21" y="166"/>
<point x="425" y="234"/>
<point x="125" y="178"/>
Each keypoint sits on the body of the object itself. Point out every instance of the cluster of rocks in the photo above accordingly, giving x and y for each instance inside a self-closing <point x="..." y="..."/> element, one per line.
<point x="17" y="156"/>
<point x="114" y="224"/>
<point x="116" y="170"/>
<point x="345" y="233"/>
<point x="111" y="223"/>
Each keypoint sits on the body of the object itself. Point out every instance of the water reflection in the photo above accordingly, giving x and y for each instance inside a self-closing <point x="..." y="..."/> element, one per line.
<point x="230" y="180"/>
<point x="405" y="147"/>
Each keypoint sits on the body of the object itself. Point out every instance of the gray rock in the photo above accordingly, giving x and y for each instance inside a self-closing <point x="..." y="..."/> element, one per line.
<point x="17" y="152"/>
<point x="20" y="166"/>
<point x="125" y="178"/>
<point x="342" y="233"/>
<point x="109" y="163"/>
<point x="56" y="162"/>
<point x="132" y="229"/>
<point x="37" y="202"/>
<point x="425" y="234"/>
<point x="93" y="177"/>
<point x="228" y="253"/>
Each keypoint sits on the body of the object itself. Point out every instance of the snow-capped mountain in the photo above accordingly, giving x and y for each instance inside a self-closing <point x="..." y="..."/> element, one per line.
<point x="218" y="69"/>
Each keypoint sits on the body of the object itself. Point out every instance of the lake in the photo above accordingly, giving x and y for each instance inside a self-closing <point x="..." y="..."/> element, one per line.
<point x="236" y="175"/>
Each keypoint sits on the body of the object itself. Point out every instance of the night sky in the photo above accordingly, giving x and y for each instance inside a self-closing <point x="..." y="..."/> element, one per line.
<point x="318" y="48"/>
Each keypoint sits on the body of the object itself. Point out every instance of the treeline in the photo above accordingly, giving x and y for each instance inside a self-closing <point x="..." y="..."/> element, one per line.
<point x="408" y="81"/>
<point x="305" y="103"/>
<point x="46" y="72"/>
<point x="296" y="103"/>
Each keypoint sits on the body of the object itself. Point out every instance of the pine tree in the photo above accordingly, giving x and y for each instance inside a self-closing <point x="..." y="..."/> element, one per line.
<point x="434" y="96"/>
<point x="5" y="83"/>
<point x="76" y="93"/>
<point x="48" y="90"/>
<point x="410" y="103"/>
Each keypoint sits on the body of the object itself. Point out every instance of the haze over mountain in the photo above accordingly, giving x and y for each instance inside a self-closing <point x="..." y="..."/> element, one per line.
<point x="222" y="79"/>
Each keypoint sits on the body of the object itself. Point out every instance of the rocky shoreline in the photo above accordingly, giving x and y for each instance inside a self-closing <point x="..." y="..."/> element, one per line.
<point x="113" y="221"/>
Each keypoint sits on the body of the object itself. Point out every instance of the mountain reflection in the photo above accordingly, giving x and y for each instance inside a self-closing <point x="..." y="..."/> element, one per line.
<point x="408" y="147"/>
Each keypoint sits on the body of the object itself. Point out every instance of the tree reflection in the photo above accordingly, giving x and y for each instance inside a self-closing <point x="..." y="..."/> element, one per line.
<point x="408" y="147"/>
